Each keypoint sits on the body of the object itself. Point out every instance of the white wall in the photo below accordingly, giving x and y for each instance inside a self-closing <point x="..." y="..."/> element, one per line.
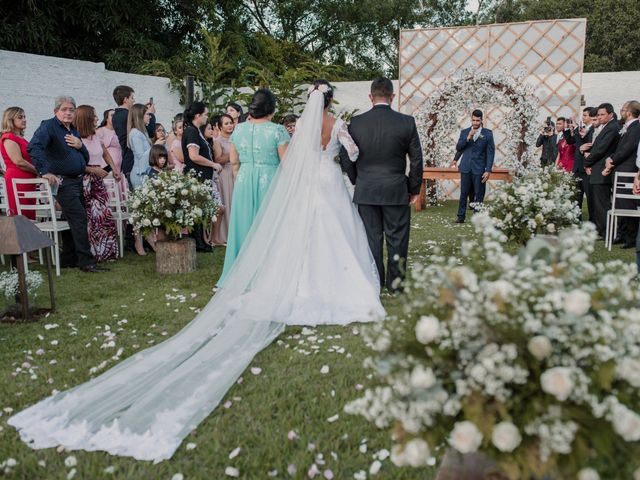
<point x="33" y="81"/>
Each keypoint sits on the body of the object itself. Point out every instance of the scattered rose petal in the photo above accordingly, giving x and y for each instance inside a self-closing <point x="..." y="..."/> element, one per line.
<point x="360" y="475"/>
<point x="333" y="419"/>
<point x="191" y="446"/>
<point x="291" y="469"/>
<point x="110" y="469"/>
<point x="70" y="461"/>
<point x="324" y="370"/>
<point x="234" y="453"/>
<point x="328" y="474"/>
<point x="292" y="435"/>
<point x="232" y="472"/>
<point x="256" y="370"/>
<point x="177" y="476"/>
<point x="228" y="404"/>
<point x="313" y="471"/>
<point x="375" y="467"/>
<point x="71" y="474"/>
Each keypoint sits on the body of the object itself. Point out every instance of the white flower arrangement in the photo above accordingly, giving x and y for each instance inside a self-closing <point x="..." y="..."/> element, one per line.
<point x="172" y="201"/>
<point x="531" y="359"/>
<point x="10" y="285"/>
<point x="539" y="201"/>
<point x="437" y="118"/>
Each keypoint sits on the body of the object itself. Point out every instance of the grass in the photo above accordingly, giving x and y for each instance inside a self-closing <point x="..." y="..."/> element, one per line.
<point x="290" y="394"/>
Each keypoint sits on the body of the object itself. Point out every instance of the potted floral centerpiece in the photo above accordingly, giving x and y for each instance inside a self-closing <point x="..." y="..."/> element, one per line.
<point x="170" y="205"/>
<point x="529" y="362"/>
<point x="539" y="201"/>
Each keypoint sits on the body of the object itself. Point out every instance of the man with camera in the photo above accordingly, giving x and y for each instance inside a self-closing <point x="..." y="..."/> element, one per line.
<point x="549" y="137"/>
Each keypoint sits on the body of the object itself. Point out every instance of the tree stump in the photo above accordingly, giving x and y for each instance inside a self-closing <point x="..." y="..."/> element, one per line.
<point x="176" y="256"/>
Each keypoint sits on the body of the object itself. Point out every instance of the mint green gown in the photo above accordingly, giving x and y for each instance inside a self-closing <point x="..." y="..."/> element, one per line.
<point x="257" y="146"/>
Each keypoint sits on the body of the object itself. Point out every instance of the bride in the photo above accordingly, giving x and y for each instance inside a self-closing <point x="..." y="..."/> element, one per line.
<point x="306" y="261"/>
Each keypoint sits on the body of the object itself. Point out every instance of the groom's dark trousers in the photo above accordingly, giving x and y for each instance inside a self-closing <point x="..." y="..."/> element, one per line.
<point x="385" y="139"/>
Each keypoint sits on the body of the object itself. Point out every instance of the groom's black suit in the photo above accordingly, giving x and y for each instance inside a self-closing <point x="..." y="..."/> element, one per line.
<point x="382" y="188"/>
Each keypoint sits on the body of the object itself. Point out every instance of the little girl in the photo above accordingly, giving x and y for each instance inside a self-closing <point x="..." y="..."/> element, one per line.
<point x="158" y="160"/>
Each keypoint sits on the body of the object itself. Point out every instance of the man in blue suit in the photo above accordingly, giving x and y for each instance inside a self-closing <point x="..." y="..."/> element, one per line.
<point x="477" y="149"/>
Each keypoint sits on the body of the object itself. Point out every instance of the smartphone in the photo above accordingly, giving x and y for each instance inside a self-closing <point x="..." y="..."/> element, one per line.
<point x="107" y="168"/>
<point x="150" y="100"/>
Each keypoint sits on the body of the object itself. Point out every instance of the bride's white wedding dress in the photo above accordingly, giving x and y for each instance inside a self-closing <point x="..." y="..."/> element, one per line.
<point x="306" y="261"/>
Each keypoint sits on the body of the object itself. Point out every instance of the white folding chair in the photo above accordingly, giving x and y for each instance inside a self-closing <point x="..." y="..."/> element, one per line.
<point x="622" y="185"/>
<point x="118" y="203"/>
<point x="4" y="204"/>
<point x="43" y="204"/>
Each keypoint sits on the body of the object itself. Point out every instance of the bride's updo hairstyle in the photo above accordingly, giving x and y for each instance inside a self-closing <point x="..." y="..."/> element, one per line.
<point x="326" y="89"/>
<point x="263" y="104"/>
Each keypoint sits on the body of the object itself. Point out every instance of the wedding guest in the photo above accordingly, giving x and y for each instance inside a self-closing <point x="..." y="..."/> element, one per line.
<point x="13" y="148"/>
<point x="478" y="151"/>
<point x="222" y="146"/>
<point x="61" y="158"/>
<point x="289" y="122"/>
<point x="603" y="146"/>
<point x="158" y="160"/>
<point x="257" y="147"/>
<point x="235" y="111"/>
<point x="171" y="135"/>
<point x="214" y="120"/>
<point x="124" y="98"/>
<point x="101" y="227"/>
<point x="548" y="140"/>
<point x="624" y="160"/>
<point x="138" y="142"/>
<point x="109" y="139"/>
<point x="578" y="137"/>
<point x="566" y="151"/>
<point x="176" y="158"/>
<point x="208" y="133"/>
<point x="160" y="135"/>
<point x="198" y="157"/>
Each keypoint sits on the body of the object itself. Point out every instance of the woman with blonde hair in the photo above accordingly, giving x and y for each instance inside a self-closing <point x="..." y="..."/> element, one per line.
<point x="13" y="148"/>
<point x="101" y="228"/>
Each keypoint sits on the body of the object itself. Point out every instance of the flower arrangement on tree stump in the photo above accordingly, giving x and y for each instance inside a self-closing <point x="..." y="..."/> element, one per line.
<point x="173" y="202"/>
<point x="532" y="360"/>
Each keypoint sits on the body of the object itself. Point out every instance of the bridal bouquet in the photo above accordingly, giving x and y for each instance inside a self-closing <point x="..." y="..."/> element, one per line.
<point x="172" y="201"/>
<point x="539" y="201"/>
<point x="532" y="360"/>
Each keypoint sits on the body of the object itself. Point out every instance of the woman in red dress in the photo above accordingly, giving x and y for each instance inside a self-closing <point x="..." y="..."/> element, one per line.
<point x="13" y="148"/>
<point x="565" y="156"/>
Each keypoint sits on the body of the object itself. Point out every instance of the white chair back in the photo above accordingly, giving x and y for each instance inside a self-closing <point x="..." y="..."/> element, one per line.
<point x="623" y="187"/>
<point x="44" y="205"/>
<point x="4" y="198"/>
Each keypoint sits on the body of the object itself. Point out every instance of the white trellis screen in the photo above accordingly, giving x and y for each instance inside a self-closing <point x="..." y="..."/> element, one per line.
<point x="550" y="53"/>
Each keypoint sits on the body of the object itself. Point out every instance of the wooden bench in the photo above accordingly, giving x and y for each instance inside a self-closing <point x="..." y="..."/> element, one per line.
<point x="445" y="173"/>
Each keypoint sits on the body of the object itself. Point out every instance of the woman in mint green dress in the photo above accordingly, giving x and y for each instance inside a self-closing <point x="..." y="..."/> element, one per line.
<point x="257" y="146"/>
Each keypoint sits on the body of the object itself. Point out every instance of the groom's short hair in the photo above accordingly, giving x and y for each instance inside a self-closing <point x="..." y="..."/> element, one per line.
<point x="381" y="87"/>
<point x="477" y="114"/>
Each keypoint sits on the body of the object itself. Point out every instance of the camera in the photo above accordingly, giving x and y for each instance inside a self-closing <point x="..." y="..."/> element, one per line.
<point x="548" y="128"/>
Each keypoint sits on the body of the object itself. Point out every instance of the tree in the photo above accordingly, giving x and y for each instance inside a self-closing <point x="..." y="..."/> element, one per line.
<point x="613" y="37"/>
<point x="123" y="34"/>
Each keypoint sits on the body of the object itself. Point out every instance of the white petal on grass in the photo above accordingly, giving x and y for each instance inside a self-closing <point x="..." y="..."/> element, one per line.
<point x="234" y="453"/>
<point x="256" y="370"/>
<point x="333" y="419"/>
<point x="191" y="446"/>
<point x="70" y="461"/>
<point x="324" y="370"/>
<point x="177" y="476"/>
<point x="232" y="472"/>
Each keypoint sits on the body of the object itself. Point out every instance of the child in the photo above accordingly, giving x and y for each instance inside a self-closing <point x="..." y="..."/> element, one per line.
<point x="158" y="160"/>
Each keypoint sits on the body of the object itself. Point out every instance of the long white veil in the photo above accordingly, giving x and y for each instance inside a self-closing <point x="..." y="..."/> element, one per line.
<point x="147" y="404"/>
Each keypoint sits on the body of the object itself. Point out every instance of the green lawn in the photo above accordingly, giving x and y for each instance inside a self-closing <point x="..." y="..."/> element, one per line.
<point x="290" y="394"/>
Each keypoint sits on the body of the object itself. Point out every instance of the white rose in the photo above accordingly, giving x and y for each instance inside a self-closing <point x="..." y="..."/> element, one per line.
<point x="422" y="377"/>
<point x="557" y="381"/>
<point x="465" y="437"/>
<point x="551" y="228"/>
<point x="539" y="346"/>
<point x="398" y="457"/>
<point x="146" y="222"/>
<point x="172" y="200"/>
<point x="577" y="302"/>
<point x="427" y="329"/>
<point x="506" y="437"/>
<point x="184" y="192"/>
<point x="626" y="423"/>
<point x="168" y="213"/>
<point x="155" y="222"/>
<point x="416" y="452"/>
<point x="588" y="474"/>
<point x="628" y="369"/>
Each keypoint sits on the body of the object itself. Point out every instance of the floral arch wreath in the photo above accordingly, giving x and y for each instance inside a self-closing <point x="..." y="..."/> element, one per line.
<point x="439" y="114"/>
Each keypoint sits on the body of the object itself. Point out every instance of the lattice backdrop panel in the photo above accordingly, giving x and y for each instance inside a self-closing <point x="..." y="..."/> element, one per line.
<point x="550" y="53"/>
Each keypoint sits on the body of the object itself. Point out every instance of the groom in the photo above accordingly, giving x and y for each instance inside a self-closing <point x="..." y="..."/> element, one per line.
<point x="383" y="191"/>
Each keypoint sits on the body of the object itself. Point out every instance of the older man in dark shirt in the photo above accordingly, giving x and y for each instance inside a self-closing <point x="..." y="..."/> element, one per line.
<point x="60" y="157"/>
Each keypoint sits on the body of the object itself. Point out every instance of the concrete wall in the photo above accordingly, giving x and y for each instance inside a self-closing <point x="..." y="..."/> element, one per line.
<point x="33" y="81"/>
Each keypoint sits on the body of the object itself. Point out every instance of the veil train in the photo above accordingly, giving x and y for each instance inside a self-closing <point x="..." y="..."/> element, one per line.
<point x="146" y="405"/>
